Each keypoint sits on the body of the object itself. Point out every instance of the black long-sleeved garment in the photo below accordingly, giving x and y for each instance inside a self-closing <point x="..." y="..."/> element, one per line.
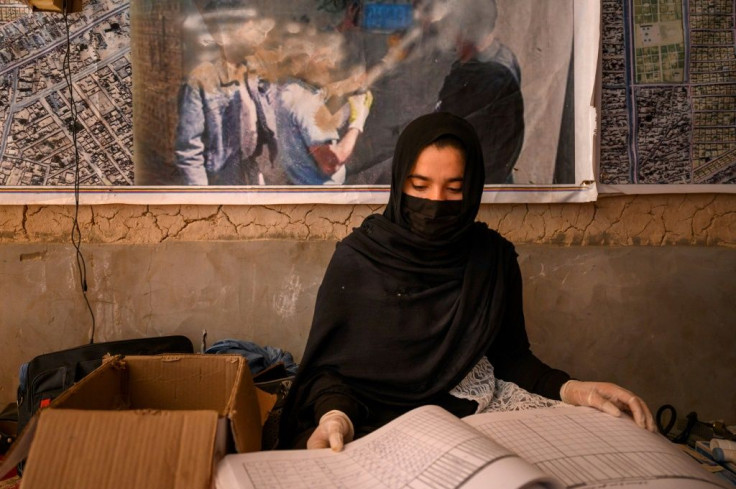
<point x="372" y="370"/>
<point x="400" y="319"/>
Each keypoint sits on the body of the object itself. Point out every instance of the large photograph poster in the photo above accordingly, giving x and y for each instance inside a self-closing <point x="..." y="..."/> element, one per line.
<point x="280" y="101"/>
<point x="294" y="93"/>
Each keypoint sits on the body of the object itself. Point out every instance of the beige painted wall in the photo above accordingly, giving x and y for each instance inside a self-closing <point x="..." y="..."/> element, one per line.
<point x="632" y="289"/>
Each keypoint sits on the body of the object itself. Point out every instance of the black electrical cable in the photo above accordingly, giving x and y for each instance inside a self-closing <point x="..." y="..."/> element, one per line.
<point x="76" y="234"/>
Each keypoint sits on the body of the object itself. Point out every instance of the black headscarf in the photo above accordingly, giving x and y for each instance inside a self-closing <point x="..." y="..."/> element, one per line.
<point x="419" y="134"/>
<point x="401" y="319"/>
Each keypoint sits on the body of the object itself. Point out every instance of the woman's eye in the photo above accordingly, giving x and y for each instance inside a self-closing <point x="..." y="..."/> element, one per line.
<point x="419" y="187"/>
<point x="455" y="190"/>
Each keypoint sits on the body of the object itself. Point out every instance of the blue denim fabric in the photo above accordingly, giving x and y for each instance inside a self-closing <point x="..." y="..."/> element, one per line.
<point x="217" y="133"/>
<point x="295" y="108"/>
<point x="259" y="357"/>
<point x="22" y="379"/>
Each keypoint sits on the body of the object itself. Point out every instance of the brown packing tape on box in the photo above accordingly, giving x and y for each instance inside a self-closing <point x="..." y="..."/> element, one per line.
<point x="122" y="449"/>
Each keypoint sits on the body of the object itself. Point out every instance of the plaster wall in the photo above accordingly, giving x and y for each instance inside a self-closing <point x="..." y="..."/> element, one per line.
<point x="635" y="290"/>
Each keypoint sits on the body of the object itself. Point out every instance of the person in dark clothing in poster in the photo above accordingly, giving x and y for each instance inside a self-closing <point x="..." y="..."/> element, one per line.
<point x="484" y="85"/>
<point x="223" y="121"/>
<point x="423" y="305"/>
<point x="448" y="60"/>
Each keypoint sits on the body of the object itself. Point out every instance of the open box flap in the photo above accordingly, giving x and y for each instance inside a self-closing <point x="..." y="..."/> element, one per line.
<point x="119" y="449"/>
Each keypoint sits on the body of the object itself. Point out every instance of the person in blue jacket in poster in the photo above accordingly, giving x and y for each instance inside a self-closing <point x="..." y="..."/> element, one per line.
<point x="223" y="107"/>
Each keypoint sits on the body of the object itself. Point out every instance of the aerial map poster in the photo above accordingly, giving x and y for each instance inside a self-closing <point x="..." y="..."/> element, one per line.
<point x="35" y="123"/>
<point x="668" y="93"/>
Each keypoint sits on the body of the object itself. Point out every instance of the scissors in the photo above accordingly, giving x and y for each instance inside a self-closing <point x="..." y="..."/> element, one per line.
<point x="718" y="427"/>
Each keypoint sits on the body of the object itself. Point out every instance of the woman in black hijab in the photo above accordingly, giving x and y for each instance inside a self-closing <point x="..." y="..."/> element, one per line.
<point x="416" y="299"/>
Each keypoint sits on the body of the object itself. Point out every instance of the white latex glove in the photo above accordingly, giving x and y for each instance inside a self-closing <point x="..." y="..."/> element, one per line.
<point x="334" y="430"/>
<point x="609" y="398"/>
<point x="360" y="107"/>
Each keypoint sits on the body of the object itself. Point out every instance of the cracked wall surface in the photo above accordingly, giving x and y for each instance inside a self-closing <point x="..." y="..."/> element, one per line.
<point x="628" y="282"/>
<point x="645" y="220"/>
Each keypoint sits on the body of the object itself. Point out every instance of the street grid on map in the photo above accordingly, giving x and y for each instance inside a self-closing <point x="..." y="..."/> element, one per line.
<point x="35" y="116"/>
<point x="668" y="92"/>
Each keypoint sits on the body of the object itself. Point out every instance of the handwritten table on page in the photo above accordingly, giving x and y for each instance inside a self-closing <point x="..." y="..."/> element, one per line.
<point x="587" y="448"/>
<point x="430" y="448"/>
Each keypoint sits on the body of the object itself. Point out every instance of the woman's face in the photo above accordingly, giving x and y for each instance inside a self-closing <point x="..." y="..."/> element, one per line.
<point x="437" y="174"/>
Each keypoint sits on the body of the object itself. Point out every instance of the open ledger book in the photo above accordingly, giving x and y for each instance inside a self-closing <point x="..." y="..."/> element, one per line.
<point x="563" y="447"/>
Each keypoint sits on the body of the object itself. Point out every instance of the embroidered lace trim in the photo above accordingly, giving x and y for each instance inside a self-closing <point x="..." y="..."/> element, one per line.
<point x="492" y="394"/>
<point x="478" y="385"/>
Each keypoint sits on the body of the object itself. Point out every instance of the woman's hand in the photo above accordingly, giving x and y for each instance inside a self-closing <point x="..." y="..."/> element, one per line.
<point x="334" y="430"/>
<point x="609" y="398"/>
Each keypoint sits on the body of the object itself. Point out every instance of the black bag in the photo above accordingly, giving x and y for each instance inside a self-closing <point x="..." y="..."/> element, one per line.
<point x="274" y="380"/>
<point x="46" y="376"/>
<point x="8" y="427"/>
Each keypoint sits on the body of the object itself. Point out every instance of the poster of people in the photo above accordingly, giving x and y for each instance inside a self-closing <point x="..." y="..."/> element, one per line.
<point x="312" y="94"/>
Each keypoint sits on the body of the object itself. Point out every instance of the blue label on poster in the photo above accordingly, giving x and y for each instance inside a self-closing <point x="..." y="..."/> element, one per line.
<point x="387" y="16"/>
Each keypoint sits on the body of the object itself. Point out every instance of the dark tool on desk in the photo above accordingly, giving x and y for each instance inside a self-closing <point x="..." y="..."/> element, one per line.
<point x="693" y="427"/>
<point x="668" y="409"/>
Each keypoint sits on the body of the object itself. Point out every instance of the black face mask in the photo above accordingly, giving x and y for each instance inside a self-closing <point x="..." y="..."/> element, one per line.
<point x="432" y="219"/>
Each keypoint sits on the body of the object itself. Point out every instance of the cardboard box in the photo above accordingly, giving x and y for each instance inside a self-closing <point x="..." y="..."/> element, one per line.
<point x="145" y="421"/>
<point x="90" y="449"/>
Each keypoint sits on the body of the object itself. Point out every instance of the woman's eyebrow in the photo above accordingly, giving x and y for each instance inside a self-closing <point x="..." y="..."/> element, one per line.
<point x="428" y="179"/>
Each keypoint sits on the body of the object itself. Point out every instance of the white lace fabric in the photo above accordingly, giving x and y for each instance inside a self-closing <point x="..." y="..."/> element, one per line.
<point x="492" y="394"/>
